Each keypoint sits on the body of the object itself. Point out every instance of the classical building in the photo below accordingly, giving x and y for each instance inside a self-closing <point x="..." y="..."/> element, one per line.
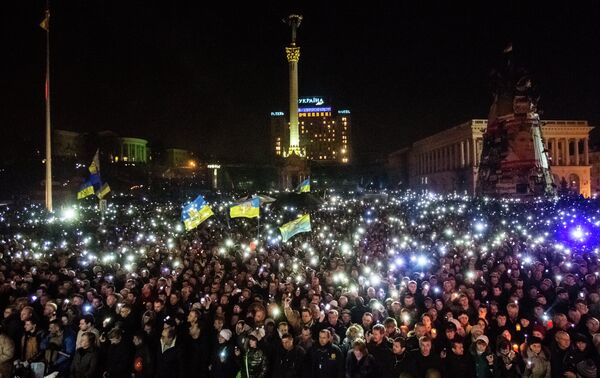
<point x="595" y="174"/>
<point x="448" y="161"/>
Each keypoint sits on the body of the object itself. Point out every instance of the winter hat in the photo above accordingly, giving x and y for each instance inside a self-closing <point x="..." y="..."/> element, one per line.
<point x="540" y="328"/>
<point x="483" y="338"/>
<point x="534" y="340"/>
<point x="226" y="334"/>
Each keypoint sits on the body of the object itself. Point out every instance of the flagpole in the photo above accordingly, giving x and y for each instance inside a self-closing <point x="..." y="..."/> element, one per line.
<point x="258" y="228"/>
<point x="48" y="127"/>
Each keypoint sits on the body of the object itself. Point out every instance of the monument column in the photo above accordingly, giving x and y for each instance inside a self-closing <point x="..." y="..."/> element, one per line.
<point x="576" y="151"/>
<point x="586" y="151"/>
<point x="292" y="53"/>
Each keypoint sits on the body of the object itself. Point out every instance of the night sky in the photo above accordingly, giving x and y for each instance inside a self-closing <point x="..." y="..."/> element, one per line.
<point x="204" y="77"/>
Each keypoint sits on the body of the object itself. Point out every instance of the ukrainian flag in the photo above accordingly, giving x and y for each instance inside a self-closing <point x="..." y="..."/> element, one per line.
<point x="94" y="167"/>
<point x="246" y="209"/>
<point x="301" y="224"/>
<point x="196" y="212"/>
<point x="86" y="190"/>
<point x="103" y="191"/>
<point x="304" y="186"/>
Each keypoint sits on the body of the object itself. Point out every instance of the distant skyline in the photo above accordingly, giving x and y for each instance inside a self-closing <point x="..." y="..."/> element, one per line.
<point x="206" y="77"/>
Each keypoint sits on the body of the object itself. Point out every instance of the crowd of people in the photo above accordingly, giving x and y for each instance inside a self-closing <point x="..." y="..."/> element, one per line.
<point x="394" y="285"/>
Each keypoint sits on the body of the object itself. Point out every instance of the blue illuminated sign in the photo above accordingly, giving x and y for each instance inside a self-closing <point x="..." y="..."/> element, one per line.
<point x="308" y="110"/>
<point x="277" y="114"/>
<point x="318" y="101"/>
<point x="345" y="111"/>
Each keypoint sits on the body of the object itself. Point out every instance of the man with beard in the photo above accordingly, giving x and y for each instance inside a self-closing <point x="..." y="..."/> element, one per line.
<point x="380" y="347"/>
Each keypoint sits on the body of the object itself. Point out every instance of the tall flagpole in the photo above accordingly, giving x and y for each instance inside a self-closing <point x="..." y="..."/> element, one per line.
<point x="48" y="128"/>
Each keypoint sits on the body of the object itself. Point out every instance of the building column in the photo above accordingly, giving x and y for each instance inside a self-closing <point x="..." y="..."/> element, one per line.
<point x="468" y="152"/>
<point x="566" y="152"/>
<point x="554" y="150"/>
<point x="586" y="151"/>
<point x="475" y="154"/>
<point x="462" y="154"/>
<point x="576" y="151"/>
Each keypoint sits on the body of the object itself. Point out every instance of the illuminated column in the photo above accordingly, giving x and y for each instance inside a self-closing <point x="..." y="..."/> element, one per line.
<point x="468" y="152"/>
<point x="292" y="53"/>
<point x="565" y="152"/>
<point x="576" y="151"/>
<point x="554" y="151"/>
<point x="462" y="154"/>
<point x="586" y="151"/>
<point x="475" y="154"/>
<point x="215" y="180"/>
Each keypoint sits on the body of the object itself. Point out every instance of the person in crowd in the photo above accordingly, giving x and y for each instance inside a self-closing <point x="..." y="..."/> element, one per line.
<point x="143" y="360"/>
<point x="326" y="359"/>
<point x="59" y="348"/>
<point x="536" y="360"/>
<point x="359" y="363"/>
<point x="290" y="359"/>
<point x="254" y="361"/>
<point x="86" y="359"/>
<point x="224" y="361"/>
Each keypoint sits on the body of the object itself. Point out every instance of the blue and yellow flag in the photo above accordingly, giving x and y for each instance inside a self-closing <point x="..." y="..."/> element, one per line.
<point x="304" y="186"/>
<point x="94" y="167"/>
<point x="301" y="224"/>
<point x="103" y="191"/>
<point x="246" y="209"/>
<point x="86" y="190"/>
<point x="195" y="213"/>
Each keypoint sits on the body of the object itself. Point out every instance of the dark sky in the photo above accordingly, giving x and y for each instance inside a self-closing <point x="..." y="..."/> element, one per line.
<point x="205" y="77"/>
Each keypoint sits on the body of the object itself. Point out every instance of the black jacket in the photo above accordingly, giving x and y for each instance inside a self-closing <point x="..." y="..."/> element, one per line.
<point x="143" y="362"/>
<point x="365" y="368"/>
<point x="456" y="366"/>
<point x="289" y="364"/>
<point x="383" y="355"/>
<point x="223" y="363"/>
<point x="118" y="360"/>
<point x="169" y="363"/>
<point x="85" y="364"/>
<point x="326" y="362"/>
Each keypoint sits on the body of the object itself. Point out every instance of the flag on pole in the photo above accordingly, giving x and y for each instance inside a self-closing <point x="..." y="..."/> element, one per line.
<point x="95" y="165"/>
<point x="265" y="199"/>
<point x="45" y="24"/>
<point x="103" y="191"/>
<point x="301" y="224"/>
<point x="246" y="209"/>
<point x="196" y="212"/>
<point x="86" y="190"/>
<point x="304" y="186"/>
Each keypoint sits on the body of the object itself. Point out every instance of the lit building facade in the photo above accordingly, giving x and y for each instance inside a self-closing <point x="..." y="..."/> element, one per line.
<point x="130" y="150"/>
<point x="177" y="157"/>
<point x="449" y="160"/>
<point x="325" y="133"/>
<point x="67" y="144"/>
<point x="595" y="174"/>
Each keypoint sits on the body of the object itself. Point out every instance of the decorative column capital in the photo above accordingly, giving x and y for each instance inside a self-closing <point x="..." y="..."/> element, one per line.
<point x="292" y="53"/>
